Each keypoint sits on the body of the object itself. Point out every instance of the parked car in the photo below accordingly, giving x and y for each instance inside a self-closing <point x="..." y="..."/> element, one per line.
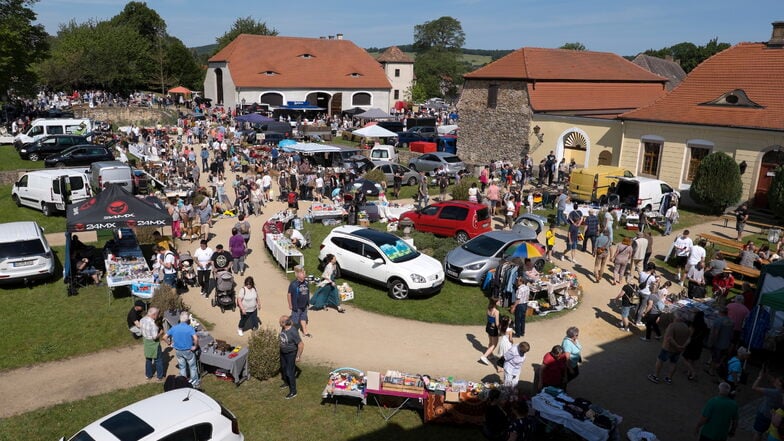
<point x="42" y="189"/>
<point x="418" y="133"/>
<point x="359" y="163"/>
<point x="103" y="173"/>
<point x="470" y="262"/>
<point x="533" y="221"/>
<point x="50" y="145"/>
<point x="591" y="184"/>
<point x="383" y="153"/>
<point x="370" y="188"/>
<point x="25" y="254"/>
<point x="410" y="177"/>
<point x="42" y="127"/>
<point x="180" y="414"/>
<point x="383" y="259"/>
<point x="462" y="220"/>
<point x="641" y="193"/>
<point x="84" y="154"/>
<point x="431" y="161"/>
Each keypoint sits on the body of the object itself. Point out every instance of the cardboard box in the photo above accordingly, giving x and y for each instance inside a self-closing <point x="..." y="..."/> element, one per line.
<point x="364" y="223"/>
<point x="452" y="397"/>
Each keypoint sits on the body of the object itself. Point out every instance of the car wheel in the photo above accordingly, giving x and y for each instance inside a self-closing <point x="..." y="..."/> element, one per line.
<point x="539" y="265"/>
<point x="60" y="165"/>
<point x="462" y="237"/>
<point x="16" y="200"/>
<point x="398" y="289"/>
<point x="412" y="181"/>
<point x="412" y="166"/>
<point x="46" y="209"/>
<point x="34" y="157"/>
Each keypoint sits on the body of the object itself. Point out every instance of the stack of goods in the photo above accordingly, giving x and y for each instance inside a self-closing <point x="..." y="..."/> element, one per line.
<point x="345" y="381"/>
<point x="346" y="292"/>
<point x="402" y="382"/>
<point x="127" y="269"/>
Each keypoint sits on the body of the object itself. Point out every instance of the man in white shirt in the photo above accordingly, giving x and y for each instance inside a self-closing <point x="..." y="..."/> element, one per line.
<point x="696" y="255"/>
<point x="203" y="257"/>
<point x="682" y="246"/>
<point x="669" y="218"/>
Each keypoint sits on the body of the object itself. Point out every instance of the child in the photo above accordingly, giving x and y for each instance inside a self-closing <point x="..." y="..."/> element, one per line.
<point x="549" y="237"/>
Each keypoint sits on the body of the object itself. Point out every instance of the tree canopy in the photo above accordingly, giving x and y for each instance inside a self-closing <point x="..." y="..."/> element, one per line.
<point x="445" y="33"/>
<point x="717" y="183"/>
<point x="437" y="67"/>
<point x="689" y="54"/>
<point x="244" y="25"/>
<point x="576" y="46"/>
<point x="21" y="43"/>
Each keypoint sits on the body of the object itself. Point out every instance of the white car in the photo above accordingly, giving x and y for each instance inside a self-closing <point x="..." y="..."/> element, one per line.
<point x="383" y="259"/>
<point x="25" y="254"/>
<point x="180" y="414"/>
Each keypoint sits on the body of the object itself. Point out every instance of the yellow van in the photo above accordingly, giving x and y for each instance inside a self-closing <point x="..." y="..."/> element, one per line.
<point x="590" y="184"/>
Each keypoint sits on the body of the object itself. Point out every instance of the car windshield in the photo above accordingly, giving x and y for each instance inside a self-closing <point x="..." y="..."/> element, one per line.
<point x="398" y="251"/>
<point x="126" y="426"/>
<point x="81" y="436"/>
<point x="451" y="159"/>
<point x="482" y="214"/>
<point x="25" y="248"/>
<point x="485" y="246"/>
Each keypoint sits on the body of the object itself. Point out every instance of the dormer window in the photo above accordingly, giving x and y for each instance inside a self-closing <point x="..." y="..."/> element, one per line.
<point x="307" y="56"/>
<point x="355" y="74"/>
<point x="733" y="98"/>
<point x="270" y="73"/>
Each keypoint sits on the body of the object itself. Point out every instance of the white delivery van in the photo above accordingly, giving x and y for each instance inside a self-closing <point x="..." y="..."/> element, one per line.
<point x="43" y="189"/>
<point x="24" y="253"/>
<point x="44" y="127"/>
<point x="383" y="153"/>
<point x="642" y="193"/>
<point x="111" y="172"/>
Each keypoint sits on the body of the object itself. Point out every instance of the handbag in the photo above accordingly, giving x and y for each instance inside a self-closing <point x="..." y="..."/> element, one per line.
<point x="501" y="361"/>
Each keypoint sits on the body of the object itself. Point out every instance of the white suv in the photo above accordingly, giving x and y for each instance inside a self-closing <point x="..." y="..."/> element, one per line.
<point x="384" y="259"/>
<point x="180" y="414"/>
<point x="24" y="253"/>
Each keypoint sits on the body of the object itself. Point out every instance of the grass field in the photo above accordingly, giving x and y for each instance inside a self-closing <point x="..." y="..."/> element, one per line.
<point x="10" y="160"/>
<point x="12" y="213"/>
<point x="262" y="412"/>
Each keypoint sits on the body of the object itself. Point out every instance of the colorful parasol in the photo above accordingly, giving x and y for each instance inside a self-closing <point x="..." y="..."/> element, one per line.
<point x="529" y="250"/>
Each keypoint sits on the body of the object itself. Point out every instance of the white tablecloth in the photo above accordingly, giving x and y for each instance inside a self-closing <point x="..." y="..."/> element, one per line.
<point x="281" y="255"/>
<point x="552" y="410"/>
<point x="388" y="212"/>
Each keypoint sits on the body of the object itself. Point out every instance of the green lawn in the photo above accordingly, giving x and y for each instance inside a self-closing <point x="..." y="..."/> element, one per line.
<point x="10" y="160"/>
<point x="12" y="213"/>
<point x="42" y="323"/>
<point x="262" y="412"/>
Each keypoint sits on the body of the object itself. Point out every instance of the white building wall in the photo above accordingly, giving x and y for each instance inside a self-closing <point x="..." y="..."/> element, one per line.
<point x="403" y="83"/>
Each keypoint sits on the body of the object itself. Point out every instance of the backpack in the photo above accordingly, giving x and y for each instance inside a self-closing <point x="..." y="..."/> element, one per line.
<point x="244" y="227"/>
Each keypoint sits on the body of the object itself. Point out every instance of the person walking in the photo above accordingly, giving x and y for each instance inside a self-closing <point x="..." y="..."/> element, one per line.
<point x="549" y="240"/>
<point x="652" y="313"/>
<point x="249" y="304"/>
<point x="237" y="248"/>
<point x="640" y="245"/>
<point x="741" y="217"/>
<point x="299" y="299"/>
<point x="203" y="257"/>
<point x="520" y="306"/>
<point x="291" y="347"/>
<point x="243" y="226"/>
<point x="674" y="343"/>
<point x="621" y="257"/>
<point x="505" y="341"/>
<point x="423" y="196"/>
<point x="572" y="348"/>
<point x="591" y="231"/>
<point x="151" y="335"/>
<point x="693" y="351"/>
<point x="183" y="338"/>
<point x="327" y="295"/>
<point x="647" y="281"/>
<point x="491" y="328"/>
<point x="670" y="217"/>
<point x="626" y="297"/>
<point x="513" y="363"/>
<point x="601" y="253"/>
<point x="719" y="417"/>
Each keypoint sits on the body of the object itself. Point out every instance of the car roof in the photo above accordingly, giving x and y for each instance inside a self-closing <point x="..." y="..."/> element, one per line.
<point x="365" y="233"/>
<point x="467" y="204"/>
<point x="443" y="154"/>
<point x="164" y="410"/>
<point x="58" y="172"/>
<point x="506" y="236"/>
<point x="19" y="231"/>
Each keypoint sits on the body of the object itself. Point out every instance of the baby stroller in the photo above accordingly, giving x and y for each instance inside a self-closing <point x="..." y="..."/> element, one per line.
<point x="187" y="272"/>
<point x="224" y="291"/>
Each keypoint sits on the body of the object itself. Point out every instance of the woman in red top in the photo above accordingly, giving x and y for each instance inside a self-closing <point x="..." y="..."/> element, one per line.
<point x="553" y="370"/>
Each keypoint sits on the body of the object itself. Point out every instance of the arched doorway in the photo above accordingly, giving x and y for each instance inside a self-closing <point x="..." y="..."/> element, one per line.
<point x="770" y="162"/>
<point x="574" y="144"/>
<point x="271" y="99"/>
<point x="219" y="86"/>
<point x="336" y="104"/>
<point x="319" y="99"/>
<point x="605" y="157"/>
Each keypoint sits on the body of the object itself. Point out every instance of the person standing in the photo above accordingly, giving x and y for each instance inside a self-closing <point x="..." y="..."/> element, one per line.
<point x="151" y="335"/>
<point x="510" y="212"/>
<point x="621" y="258"/>
<point x="741" y="217"/>
<point x="649" y="248"/>
<point x="299" y="299"/>
<point x="720" y="340"/>
<point x="397" y="181"/>
<point x="237" y="248"/>
<point x="560" y="217"/>
<point x="572" y="348"/>
<point x="696" y="256"/>
<point x="653" y="311"/>
<point x="423" y="196"/>
<point x="520" y="306"/>
<point x="513" y="363"/>
<point x="552" y="372"/>
<point x="602" y="251"/>
<point x="640" y="244"/>
<point x="549" y="240"/>
<point x="675" y="340"/>
<point x="682" y="246"/>
<point x="693" y="351"/>
<point x="719" y="417"/>
<point x="204" y="212"/>
<point x="203" y="256"/>
<point x="291" y="346"/>
<point x="183" y="338"/>
<point x="505" y="341"/>
<point x="696" y="279"/>
<point x="670" y="217"/>
<point x="248" y="301"/>
<point x="626" y="295"/>
<point x="493" y="195"/>
<point x="169" y="267"/>
<point x="491" y="328"/>
<point x="591" y="231"/>
<point x="243" y="226"/>
<point x="134" y="318"/>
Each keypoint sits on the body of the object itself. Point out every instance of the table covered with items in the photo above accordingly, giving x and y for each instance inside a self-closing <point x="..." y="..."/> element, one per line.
<point x="284" y="251"/>
<point x="228" y="361"/>
<point x="278" y="223"/>
<point x="553" y="291"/>
<point x="318" y="212"/>
<point x="590" y="421"/>
<point x="125" y="263"/>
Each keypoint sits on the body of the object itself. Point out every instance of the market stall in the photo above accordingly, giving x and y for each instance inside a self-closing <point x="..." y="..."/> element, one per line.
<point x="283" y="251"/>
<point x="580" y="416"/>
<point x="319" y="212"/>
<point x="278" y="223"/>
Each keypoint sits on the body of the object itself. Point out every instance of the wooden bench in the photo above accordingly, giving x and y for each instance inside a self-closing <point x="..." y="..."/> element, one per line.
<point x="718" y="240"/>
<point x="762" y="226"/>
<point x="743" y="270"/>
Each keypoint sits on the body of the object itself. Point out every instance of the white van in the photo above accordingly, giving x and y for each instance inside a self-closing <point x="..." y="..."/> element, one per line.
<point x="25" y="254"/>
<point x="111" y="172"/>
<point x="44" y="127"/>
<point x="383" y="153"/>
<point x="42" y="189"/>
<point x="642" y="193"/>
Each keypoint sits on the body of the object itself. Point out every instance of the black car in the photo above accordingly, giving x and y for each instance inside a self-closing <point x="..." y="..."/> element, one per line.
<point x="84" y="154"/>
<point x="50" y="145"/>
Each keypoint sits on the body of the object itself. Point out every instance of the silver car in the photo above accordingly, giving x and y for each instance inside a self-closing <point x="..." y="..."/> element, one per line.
<point x="429" y="162"/>
<point x="470" y="262"/>
<point x="410" y="177"/>
<point x="533" y="221"/>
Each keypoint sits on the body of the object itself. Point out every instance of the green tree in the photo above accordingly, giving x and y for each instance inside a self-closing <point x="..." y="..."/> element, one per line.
<point x="445" y="33"/>
<point x="717" y="183"/>
<point x="146" y="21"/>
<point x="776" y="193"/>
<point x="437" y="66"/>
<point x="576" y="46"/>
<point x="689" y="55"/>
<point x="21" y="43"/>
<point x="244" y="25"/>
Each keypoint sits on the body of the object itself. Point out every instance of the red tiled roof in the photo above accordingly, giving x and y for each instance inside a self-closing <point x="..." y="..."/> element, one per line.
<point x="331" y="65"/>
<point x="591" y="96"/>
<point x="393" y="54"/>
<point x="530" y="63"/>
<point x="751" y="67"/>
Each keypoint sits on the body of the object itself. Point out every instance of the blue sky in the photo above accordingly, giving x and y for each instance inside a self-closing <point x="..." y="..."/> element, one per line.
<point x="624" y="27"/>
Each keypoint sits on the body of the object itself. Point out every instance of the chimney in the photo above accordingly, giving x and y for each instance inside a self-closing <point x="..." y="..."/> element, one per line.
<point x="331" y="37"/>
<point x="339" y="36"/>
<point x="777" y="37"/>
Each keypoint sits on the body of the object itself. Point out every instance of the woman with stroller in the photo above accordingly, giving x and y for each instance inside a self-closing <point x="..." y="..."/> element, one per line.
<point x="327" y="294"/>
<point x="248" y="301"/>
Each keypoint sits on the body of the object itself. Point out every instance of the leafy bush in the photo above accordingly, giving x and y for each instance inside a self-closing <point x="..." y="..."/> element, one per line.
<point x="460" y="191"/>
<point x="166" y="299"/>
<point x="776" y="193"/>
<point x="717" y="183"/>
<point x="264" y="354"/>
<point x="375" y="176"/>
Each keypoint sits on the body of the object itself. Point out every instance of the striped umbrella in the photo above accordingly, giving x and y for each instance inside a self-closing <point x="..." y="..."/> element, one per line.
<point x="529" y="250"/>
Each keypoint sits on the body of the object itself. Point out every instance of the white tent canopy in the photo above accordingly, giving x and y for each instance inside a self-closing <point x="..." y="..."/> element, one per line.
<point x="310" y="147"/>
<point x="374" y="131"/>
<point x="373" y="113"/>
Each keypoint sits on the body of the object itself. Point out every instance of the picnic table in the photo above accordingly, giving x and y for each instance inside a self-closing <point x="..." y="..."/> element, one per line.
<point x="743" y="270"/>
<point x="718" y="240"/>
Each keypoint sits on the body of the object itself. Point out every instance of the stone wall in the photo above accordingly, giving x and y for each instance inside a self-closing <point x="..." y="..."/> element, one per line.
<point x="490" y="134"/>
<point x="122" y="116"/>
